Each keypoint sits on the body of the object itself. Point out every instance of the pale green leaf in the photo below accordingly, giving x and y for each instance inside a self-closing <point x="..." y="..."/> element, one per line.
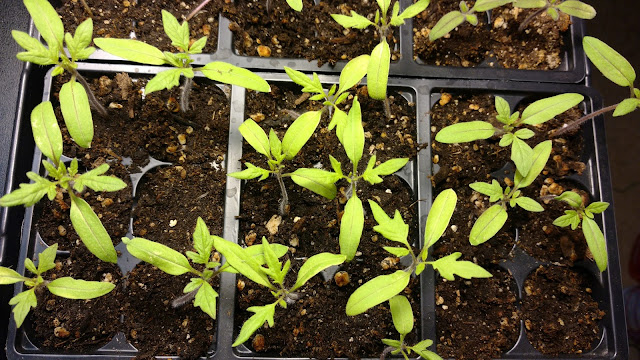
<point x="540" y="156"/>
<point x="70" y="288"/>
<point x="386" y="168"/>
<point x="465" y="132"/>
<point x="502" y="106"/>
<point x="81" y="39"/>
<point x="449" y="266"/>
<point x="353" y="135"/>
<point x="353" y="73"/>
<point x="529" y="204"/>
<point x="384" y="6"/>
<point x="262" y="314"/>
<point x="577" y="9"/>
<point x="397" y="251"/>
<point x="230" y="74"/>
<point x="74" y="104"/>
<point x="493" y="190"/>
<point x="553" y="13"/>
<point x="378" y="71"/>
<point x="28" y="194"/>
<point x="319" y="181"/>
<point x="354" y="21"/>
<point x="303" y="80"/>
<point x="132" y="50"/>
<point x="596" y="242"/>
<point x="255" y="136"/>
<point x="202" y="240"/>
<point x="47" y="259"/>
<point x="198" y="45"/>
<point x="439" y="216"/>
<point x="610" y="63"/>
<point x="472" y="19"/>
<point x="572" y="198"/>
<point x="597" y="207"/>
<point x="94" y="181"/>
<point x="36" y="52"/>
<point x="179" y="34"/>
<point x="91" y="231"/>
<point x="428" y="355"/>
<point x="339" y="121"/>
<point x="10" y="276"/>
<point x="488" y="224"/>
<point x="626" y="106"/>
<point x="529" y="4"/>
<point x="546" y="109"/>
<point x="566" y="220"/>
<point x="486" y="5"/>
<point x="524" y="134"/>
<point x="447" y="23"/>
<point x="47" y="21"/>
<point x="206" y="299"/>
<point x="414" y="9"/>
<point x="166" y="79"/>
<point x="315" y="265"/>
<point x="161" y="256"/>
<point x="393" y="343"/>
<point x="506" y="140"/>
<point x="295" y="4"/>
<point x="351" y="227"/>
<point x="23" y="302"/>
<point x="521" y="154"/>
<point x="46" y="131"/>
<point x="299" y="133"/>
<point x="401" y="314"/>
<point x="393" y="229"/>
<point x="376" y="291"/>
<point x="243" y="263"/>
<point x="251" y="172"/>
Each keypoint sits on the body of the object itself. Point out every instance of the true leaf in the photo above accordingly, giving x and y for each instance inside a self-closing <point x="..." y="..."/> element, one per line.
<point x="573" y="199"/>
<point x="597" y="207"/>
<point x="397" y="251"/>
<point x="596" y="242"/>
<point x="485" y="5"/>
<point x="577" y="9"/>
<point x="378" y="71"/>
<point x="493" y="190"/>
<point x="10" y="276"/>
<point x="29" y="194"/>
<point x="262" y="314"/>
<point x="303" y="80"/>
<point x="299" y="133"/>
<point x="447" y="23"/>
<point x="465" y="132"/>
<point x="529" y="4"/>
<point x="449" y="266"/>
<point x="23" y="302"/>
<point x="506" y="140"/>
<point x="94" y="180"/>
<point x="91" y="231"/>
<point x="251" y="172"/>
<point x="230" y="74"/>
<point x="36" y="52"/>
<point x="244" y="264"/>
<point x="414" y="9"/>
<point x="202" y="240"/>
<point x="47" y="21"/>
<point x="319" y="181"/>
<point x="439" y="217"/>
<point x="546" y="109"/>
<point x="255" y="136"/>
<point x="179" y="34"/>
<point x="386" y="168"/>
<point x="393" y="229"/>
<point x="529" y="204"/>
<point x="353" y="72"/>
<point x="273" y="265"/>
<point x="610" y="63"/>
<point x="336" y="166"/>
<point x="488" y="224"/>
<point x="338" y="120"/>
<point x="566" y="220"/>
<point x="384" y="6"/>
<point x="393" y="343"/>
<point x="353" y="135"/>
<point x="198" y="45"/>
<point x="315" y="265"/>
<point x="206" y="299"/>
<point x="295" y="4"/>
<point x="540" y="156"/>
<point x="351" y="227"/>
<point x="132" y="50"/>
<point x="70" y="288"/>
<point x="521" y="154"/>
<point x="524" y="134"/>
<point x="161" y="256"/>
<point x="166" y="79"/>
<point x="47" y="258"/>
<point x="81" y="39"/>
<point x="427" y="355"/>
<point x="502" y="106"/>
<point x="553" y="13"/>
<point x="46" y="131"/>
<point x="626" y="106"/>
<point x="376" y="291"/>
<point x="354" y="21"/>
<point x="256" y="253"/>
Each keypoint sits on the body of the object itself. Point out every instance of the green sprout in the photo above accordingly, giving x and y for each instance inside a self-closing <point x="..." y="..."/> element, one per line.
<point x="494" y="218"/>
<point x="65" y="287"/>
<point x="453" y="19"/>
<point x="199" y="288"/>
<point x="86" y="223"/>
<point x="272" y="277"/>
<point x="76" y="98"/>
<point x="140" y="52"/>
<point x="615" y="68"/>
<point x="379" y="64"/>
<point x="402" y="317"/>
<point x="537" y="113"/>
<point x="554" y="8"/>
<point x="384" y="287"/>
<point x="581" y="215"/>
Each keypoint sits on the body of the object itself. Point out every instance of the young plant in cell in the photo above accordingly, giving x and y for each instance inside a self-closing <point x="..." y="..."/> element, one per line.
<point x="384" y="287"/>
<point x="494" y="218"/>
<point x="272" y="277"/>
<point x="512" y="133"/>
<point x="66" y="287"/>
<point x="615" y="68"/>
<point x="455" y="18"/>
<point x="583" y="216"/>
<point x="350" y="76"/>
<point x="402" y="317"/>
<point x="199" y="288"/>
<point x="140" y="52"/>
<point x="553" y="8"/>
<point x="380" y="61"/>
<point x="76" y="97"/>
<point x="86" y="223"/>
<point x="294" y="4"/>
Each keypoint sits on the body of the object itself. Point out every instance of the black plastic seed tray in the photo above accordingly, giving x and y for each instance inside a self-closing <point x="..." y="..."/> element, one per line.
<point x="596" y="178"/>
<point x="572" y="69"/>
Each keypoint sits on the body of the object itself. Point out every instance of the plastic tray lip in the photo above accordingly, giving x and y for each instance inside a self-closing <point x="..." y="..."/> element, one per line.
<point x="423" y="89"/>
<point x="405" y="66"/>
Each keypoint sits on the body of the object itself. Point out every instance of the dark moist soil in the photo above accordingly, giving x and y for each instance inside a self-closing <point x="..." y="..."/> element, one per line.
<point x="119" y="18"/>
<point x="500" y="44"/>
<point x="185" y="331"/>
<point x="311" y="34"/>
<point x="560" y="315"/>
<point x="79" y="325"/>
<point x="477" y="318"/>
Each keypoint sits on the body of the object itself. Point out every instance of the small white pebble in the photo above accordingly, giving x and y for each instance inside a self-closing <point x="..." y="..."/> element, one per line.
<point x="173" y="223"/>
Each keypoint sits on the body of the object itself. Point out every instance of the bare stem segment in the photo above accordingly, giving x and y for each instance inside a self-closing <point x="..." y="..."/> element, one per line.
<point x="576" y="124"/>
<point x="184" y="96"/>
<point x="531" y="17"/>
<point x="93" y="101"/>
<point x="284" y="203"/>
<point x="195" y="11"/>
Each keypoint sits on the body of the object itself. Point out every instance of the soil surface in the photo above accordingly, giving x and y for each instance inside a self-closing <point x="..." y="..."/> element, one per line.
<point x="499" y="43"/>
<point x="123" y="18"/>
<point x="559" y="312"/>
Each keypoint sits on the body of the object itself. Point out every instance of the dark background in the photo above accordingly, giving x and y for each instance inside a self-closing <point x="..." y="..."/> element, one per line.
<point x="616" y="24"/>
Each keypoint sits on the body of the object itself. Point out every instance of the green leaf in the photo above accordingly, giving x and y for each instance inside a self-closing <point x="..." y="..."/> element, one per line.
<point x="376" y="291"/>
<point x="449" y="266"/>
<point x="230" y="74"/>
<point x="158" y="255"/>
<point x="472" y="19"/>
<point x="194" y="284"/>
<point x="47" y="259"/>
<point x="597" y="207"/>
<point x="439" y="217"/>
<point x="303" y="80"/>
<point x="353" y="134"/>
<point x="80" y="40"/>
<point x="202" y="240"/>
<point x="206" y="299"/>
<point x="524" y="134"/>
<point x="179" y="34"/>
<point x="166" y="79"/>
<point x="336" y="166"/>
<point x="610" y="63"/>
<point x="295" y="4"/>
<point x="9" y="276"/>
<point x="546" y="109"/>
<point x="275" y="144"/>
<point x="521" y="154"/>
<point x="488" y="224"/>
<point x="198" y="45"/>
<point x="465" y="132"/>
<point x="315" y="265"/>
<point x="401" y="314"/>
<point x="566" y="220"/>
<point x="351" y="227"/>
<point x="626" y="106"/>
<point x="256" y="137"/>
<point x="378" y="71"/>
<point x="486" y="5"/>
<point x="353" y="73"/>
<point x="319" y="181"/>
<point x="393" y="229"/>
<point x="393" y="343"/>
<point x="422" y="345"/>
<point x="29" y="194"/>
<point x="23" y="302"/>
<point x="553" y="13"/>
<point x="76" y="111"/>
<point x="273" y="265"/>
<point x="540" y="156"/>
<point x="47" y="21"/>
<point x="93" y="179"/>
<point x="46" y="131"/>
<point x="242" y="262"/>
<point x="447" y="23"/>
<point x="397" y="251"/>
<point x="386" y="168"/>
<point x="529" y="4"/>
<point x="577" y="9"/>
<point x="395" y="19"/>
<point x="502" y="106"/>
<point x="256" y="253"/>
<point x="427" y="355"/>
<point x="251" y="172"/>
<point x="28" y="264"/>
<point x="384" y="6"/>
<point x="596" y="242"/>
<point x="506" y="140"/>
<point x="70" y="288"/>
<point x="300" y="132"/>
<point x="573" y="199"/>
<point x="36" y="52"/>
<point x="493" y="190"/>
<point x="414" y="9"/>
<point x="91" y="231"/>
<point x="255" y="322"/>
<point x="529" y="204"/>
<point x="339" y="121"/>
<point x="132" y="50"/>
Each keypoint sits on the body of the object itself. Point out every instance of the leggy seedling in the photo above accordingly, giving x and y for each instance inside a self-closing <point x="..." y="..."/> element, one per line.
<point x="65" y="287"/>
<point x="87" y="224"/>
<point x="379" y="64"/>
<point x="385" y="287"/>
<point x="494" y="218"/>
<point x="144" y="53"/>
<point x="581" y="215"/>
<point x="74" y="97"/>
<point x="172" y="262"/>
<point x="402" y="316"/>
<point x="272" y="277"/>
